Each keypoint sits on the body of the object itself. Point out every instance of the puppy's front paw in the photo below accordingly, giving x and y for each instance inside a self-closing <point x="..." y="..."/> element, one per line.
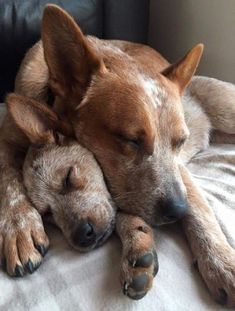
<point x="23" y="241"/>
<point x="218" y="271"/>
<point x="137" y="273"/>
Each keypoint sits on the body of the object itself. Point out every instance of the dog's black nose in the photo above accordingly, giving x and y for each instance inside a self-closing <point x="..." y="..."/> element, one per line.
<point x="84" y="235"/>
<point x="173" y="210"/>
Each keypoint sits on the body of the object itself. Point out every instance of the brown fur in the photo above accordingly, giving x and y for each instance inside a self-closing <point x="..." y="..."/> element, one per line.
<point x="125" y="105"/>
<point x="49" y="160"/>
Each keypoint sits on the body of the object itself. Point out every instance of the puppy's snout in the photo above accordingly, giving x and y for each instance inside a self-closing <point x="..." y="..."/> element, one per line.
<point x="84" y="235"/>
<point x="173" y="209"/>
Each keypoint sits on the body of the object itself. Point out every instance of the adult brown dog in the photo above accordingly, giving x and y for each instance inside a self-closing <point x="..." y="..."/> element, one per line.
<point x="124" y="102"/>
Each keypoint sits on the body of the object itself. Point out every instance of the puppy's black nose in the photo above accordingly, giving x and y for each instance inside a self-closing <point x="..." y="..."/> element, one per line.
<point x="84" y="235"/>
<point x="173" y="209"/>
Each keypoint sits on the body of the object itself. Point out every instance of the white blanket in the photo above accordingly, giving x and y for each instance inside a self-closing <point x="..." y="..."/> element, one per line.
<point x="68" y="280"/>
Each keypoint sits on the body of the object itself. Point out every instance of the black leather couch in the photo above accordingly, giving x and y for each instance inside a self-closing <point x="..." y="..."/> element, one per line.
<point x="20" y="27"/>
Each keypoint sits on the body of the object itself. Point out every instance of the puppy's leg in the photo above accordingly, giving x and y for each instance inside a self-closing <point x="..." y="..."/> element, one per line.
<point x="214" y="256"/>
<point x="217" y="99"/>
<point x="23" y="241"/>
<point x="139" y="262"/>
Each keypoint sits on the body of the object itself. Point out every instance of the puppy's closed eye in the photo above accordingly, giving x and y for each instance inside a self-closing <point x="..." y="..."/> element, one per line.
<point x="72" y="181"/>
<point x="66" y="181"/>
<point x="178" y="143"/>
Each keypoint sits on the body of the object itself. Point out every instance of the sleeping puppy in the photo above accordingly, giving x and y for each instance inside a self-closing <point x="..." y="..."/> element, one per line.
<point x="63" y="178"/>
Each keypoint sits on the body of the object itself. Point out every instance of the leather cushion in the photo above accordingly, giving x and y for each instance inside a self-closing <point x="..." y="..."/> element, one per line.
<point x="20" y="29"/>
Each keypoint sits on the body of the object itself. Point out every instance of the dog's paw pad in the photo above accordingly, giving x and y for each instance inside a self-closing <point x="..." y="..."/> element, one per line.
<point x="19" y="271"/>
<point x="138" y="287"/>
<point x="136" y="296"/>
<point x="140" y="282"/>
<point x="145" y="261"/>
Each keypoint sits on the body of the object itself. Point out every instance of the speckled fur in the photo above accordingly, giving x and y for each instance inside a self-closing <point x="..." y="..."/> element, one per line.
<point x="137" y="180"/>
<point x="44" y="171"/>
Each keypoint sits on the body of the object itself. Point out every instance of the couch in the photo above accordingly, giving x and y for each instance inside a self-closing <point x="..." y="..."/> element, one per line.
<point x="20" y="26"/>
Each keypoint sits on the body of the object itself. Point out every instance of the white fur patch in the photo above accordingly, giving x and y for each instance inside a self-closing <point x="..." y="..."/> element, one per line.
<point x="17" y="199"/>
<point x="153" y="90"/>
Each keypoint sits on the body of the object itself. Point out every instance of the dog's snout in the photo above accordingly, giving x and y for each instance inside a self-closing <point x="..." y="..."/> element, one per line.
<point x="174" y="206"/>
<point x="84" y="235"/>
<point x="173" y="210"/>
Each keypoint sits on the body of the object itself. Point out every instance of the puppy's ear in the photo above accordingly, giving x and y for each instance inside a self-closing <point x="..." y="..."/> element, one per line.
<point x="181" y="72"/>
<point x="36" y="120"/>
<point x="70" y="59"/>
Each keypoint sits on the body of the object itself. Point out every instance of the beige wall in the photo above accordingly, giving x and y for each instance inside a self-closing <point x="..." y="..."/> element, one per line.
<point x="176" y="25"/>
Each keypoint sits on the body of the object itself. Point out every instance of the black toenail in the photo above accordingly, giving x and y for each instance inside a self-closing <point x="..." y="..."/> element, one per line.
<point x="4" y="264"/>
<point x="223" y="297"/>
<point x="19" y="271"/>
<point x="156" y="264"/>
<point x="139" y="282"/>
<point x="125" y="288"/>
<point x="37" y="265"/>
<point x="42" y="249"/>
<point x="195" y="264"/>
<point x="145" y="261"/>
<point x="30" y="267"/>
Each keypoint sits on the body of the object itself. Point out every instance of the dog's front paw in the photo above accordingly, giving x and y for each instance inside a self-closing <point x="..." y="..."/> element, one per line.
<point x="218" y="271"/>
<point x="137" y="272"/>
<point x="139" y="262"/>
<point x="23" y="241"/>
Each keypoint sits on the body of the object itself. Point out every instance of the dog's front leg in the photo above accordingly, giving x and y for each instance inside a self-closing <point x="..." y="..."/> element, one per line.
<point x="23" y="241"/>
<point x="139" y="262"/>
<point x="214" y="256"/>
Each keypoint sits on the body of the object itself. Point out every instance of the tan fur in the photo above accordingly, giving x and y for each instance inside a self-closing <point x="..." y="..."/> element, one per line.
<point x="213" y="255"/>
<point x="49" y="160"/>
<point x="17" y="215"/>
<point x="101" y="89"/>
<point x="38" y="72"/>
<point x="137" y="240"/>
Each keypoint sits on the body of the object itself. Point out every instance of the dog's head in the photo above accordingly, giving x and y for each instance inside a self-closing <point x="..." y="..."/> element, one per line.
<point x="129" y="115"/>
<point x="62" y="177"/>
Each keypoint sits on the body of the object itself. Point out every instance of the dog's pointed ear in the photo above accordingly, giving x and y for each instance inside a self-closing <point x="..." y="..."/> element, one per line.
<point x="181" y="72"/>
<point x="70" y="58"/>
<point x="36" y="120"/>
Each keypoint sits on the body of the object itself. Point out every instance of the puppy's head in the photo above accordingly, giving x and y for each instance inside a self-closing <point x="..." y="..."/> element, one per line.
<point x="128" y="115"/>
<point x="62" y="177"/>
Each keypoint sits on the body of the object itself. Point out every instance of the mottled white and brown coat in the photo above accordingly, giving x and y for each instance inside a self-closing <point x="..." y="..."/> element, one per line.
<point x="131" y="109"/>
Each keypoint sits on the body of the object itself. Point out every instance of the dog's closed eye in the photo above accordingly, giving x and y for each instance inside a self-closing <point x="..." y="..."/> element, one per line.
<point x="134" y="143"/>
<point x="66" y="181"/>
